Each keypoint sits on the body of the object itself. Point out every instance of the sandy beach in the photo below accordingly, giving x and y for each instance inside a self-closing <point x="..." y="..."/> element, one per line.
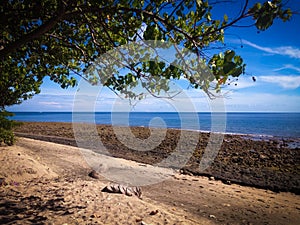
<point x="46" y="182"/>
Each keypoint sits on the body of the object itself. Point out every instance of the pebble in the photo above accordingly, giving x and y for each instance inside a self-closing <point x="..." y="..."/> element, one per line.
<point x="154" y="212"/>
<point x="143" y="223"/>
<point x="212" y="216"/>
<point x="227" y="205"/>
<point x="211" y="178"/>
<point x="228" y="182"/>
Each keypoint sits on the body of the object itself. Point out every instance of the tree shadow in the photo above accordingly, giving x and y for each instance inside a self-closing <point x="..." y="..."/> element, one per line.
<point x="14" y="209"/>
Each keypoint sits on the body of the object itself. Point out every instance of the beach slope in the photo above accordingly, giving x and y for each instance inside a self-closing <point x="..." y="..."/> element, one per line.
<point x="48" y="183"/>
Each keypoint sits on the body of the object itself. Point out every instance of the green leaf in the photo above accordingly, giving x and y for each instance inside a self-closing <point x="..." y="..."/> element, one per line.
<point x="229" y="54"/>
<point x="225" y="18"/>
<point x="228" y="67"/>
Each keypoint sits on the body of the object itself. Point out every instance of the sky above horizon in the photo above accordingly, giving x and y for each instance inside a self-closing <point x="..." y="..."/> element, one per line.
<point x="272" y="57"/>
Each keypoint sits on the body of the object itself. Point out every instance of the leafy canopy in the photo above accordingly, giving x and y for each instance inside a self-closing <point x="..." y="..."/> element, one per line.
<point x="61" y="38"/>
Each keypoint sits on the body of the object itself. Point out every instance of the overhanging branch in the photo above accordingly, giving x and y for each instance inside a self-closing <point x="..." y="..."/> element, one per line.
<point x="47" y="26"/>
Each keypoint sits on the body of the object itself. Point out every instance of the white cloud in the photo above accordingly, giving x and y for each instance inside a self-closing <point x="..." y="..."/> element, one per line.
<point x="235" y="101"/>
<point x="288" y="82"/>
<point x="288" y="66"/>
<point x="57" y="91"/>
<point x="50" y="103"/>
<point x="283" y="50"/>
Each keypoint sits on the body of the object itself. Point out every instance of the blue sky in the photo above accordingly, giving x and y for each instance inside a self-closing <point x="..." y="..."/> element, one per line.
<point x="272" y="57"/>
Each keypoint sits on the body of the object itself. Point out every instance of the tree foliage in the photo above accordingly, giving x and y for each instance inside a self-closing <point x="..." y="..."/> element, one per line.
<point x="61" y="38"/>
<point x="6" y="126"/>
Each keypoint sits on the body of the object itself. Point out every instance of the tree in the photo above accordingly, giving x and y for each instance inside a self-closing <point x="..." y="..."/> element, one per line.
<point x="6" y="125"/>
<point x="61" y="38"/>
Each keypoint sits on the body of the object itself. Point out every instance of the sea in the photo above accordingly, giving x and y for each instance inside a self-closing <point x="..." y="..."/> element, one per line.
<point x="282" y="125"/>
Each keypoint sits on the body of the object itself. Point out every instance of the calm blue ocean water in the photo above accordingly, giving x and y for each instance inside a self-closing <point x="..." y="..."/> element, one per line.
<point x="273" y="124"/>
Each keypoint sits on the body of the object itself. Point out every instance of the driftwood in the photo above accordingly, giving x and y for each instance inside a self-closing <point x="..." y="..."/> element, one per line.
<point x="123" y="189"/>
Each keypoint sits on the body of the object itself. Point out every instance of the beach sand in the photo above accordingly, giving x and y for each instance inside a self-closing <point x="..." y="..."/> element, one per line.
<point x="48" y="183"/>
<point x="44" y="182"/>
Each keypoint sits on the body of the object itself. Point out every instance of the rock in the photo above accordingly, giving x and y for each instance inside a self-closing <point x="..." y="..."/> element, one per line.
<point x="237" y="159"/>
<point x="143" y="223"/>
<point x="263" y="157"/>
<point x="212" y="216"/>
<point x="211" y="178"/>
<point x="228" y="182"/>
<point x="139" y="220"/>
<point x="245" y="171"/>
<point x="94" y="174"/>
<point x="154" y="212"/>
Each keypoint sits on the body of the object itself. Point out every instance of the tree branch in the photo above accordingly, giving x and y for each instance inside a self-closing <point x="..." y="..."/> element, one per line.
<point x="241" y="16"/>
<point x="48" y="25"/>
<point x="68" y="44"/>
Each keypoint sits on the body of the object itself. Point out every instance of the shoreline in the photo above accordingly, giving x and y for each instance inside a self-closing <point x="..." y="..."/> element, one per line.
<point x="258" y="135"/>
<point x="268" y="164"/>
<point x="281" y="125"/>
<point x="253" y="135"/>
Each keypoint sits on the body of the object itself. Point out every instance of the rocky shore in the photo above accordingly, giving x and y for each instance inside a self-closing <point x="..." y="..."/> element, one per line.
<point x="263" y="163"/>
